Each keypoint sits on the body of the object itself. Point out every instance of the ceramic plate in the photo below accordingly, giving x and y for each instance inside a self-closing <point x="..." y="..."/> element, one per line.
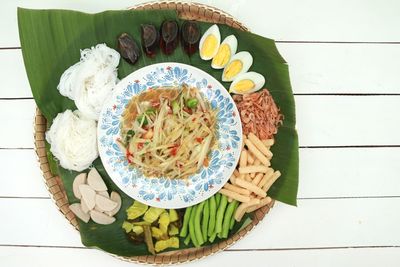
<point x="159" y="191"/>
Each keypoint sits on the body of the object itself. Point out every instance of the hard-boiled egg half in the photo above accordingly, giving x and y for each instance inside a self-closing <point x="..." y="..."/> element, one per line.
<point x="247" y="83"/>
<point x="226" y="50"/>
<point x="209" y="43"/>
<point x="239" y="63"/>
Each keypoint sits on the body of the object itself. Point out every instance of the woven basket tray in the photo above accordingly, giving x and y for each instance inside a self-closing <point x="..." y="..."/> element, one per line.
<point x="192" y="11"/>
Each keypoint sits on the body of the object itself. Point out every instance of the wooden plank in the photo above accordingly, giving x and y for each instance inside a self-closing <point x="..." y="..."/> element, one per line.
<point x="16" y="120"/>
<point x="21" y="182"/>
<point x="310" y="20"/>
<point x="314" y="69"/>
<point x="324" y="173"/>
<point x="321" y="120"/>
<point x="354" y="120"/>
<point x="313" y="224"/>
<point x="342" y="68"/>
<point x="66" y="257"/>
<point x="14" y="82"/>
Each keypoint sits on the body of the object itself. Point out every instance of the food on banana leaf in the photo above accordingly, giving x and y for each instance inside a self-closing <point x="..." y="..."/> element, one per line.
<point x="156" y="223"/>
<point x="226" y="50"/>
<point x="136" y="210"/>
<point x="163" y="222"/>
<point x="169" y="36"/>
<point x="150" y="39"/>
<point x="239" y="64"/>
<point x="190" y="36"/>
<point x="173" y="216"/>
<point x="246" y="83"/>
<point x="95" y="205"/>
<point x="172" y="242"/>
<point x="152" y="214"/>
<point x="73" y="141"/>
<point x="91" y="81"/>
<point x="209" y="43"/>
<point x="128" y="48"/>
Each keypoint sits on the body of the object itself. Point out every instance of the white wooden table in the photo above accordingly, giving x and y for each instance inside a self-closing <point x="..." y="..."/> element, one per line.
<point x="344" y="58"/>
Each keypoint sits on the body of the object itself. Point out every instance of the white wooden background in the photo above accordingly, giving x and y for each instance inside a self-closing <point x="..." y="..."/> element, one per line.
<point x="344" y="58"/>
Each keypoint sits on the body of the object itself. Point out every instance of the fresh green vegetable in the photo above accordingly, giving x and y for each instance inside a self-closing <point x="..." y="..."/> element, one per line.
<point x="191" y="227"/>
<point x="212" y="237"/>
<point x="152" y="214"/>
<point x="186" y="218"/>
<point x="232" y="223"/>
<point x="163" y="222"/>
<point x="136" y="210"/>
<point x="192" y="102"/>
<point x="197" y="221"/>
<point x="173" y="230"/>
<point x="142" y="120"/>
<point x="220" y="214"/>
<point x="213" y="213"/>
<point x="217" y="199"/>
<point x="206" y="216"/>
<point x="187" y="240"/>
<point x="227" y="218"/>
<point x="175" y="107"/>
<point x="137" y="229"/>
<point x="150" y="111"/>
<point x="127" y="226"/>
<point x="157" y="233"/>
<point x="172" y="242"/>
<point x="148" y="239"/>
<point x="173" y="215"/>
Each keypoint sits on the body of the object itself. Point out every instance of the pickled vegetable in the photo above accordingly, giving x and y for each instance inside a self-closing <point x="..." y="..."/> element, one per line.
<point x="172" y="242"/>
<point x="190" y="35"/>
<point x="149" y="39"/>
<point x="128" y="48"/>
<point x="136" y="210"/>
<point x="152" y="214"/>
<point x="164" y="222"/>
<point x="169" y="36"/>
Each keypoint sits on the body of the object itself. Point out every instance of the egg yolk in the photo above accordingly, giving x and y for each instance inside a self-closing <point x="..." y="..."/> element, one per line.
<point x="209" y="46"/>
<point x="223" y="55"/>
<point x="244" y="86"/>
<point x="233" y="69"/>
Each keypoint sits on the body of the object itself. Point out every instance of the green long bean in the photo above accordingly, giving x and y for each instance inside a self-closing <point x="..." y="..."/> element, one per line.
<point x="220" y="214"/>
<point x="197" y="227"/>
<point x="232" y="223"/>
<point x="217" y="199"/>
<point x="227" y="218"/>
<point x="191" y="227"/>
<point x="213" y="213"/>
<point x="187" y="240"/>
<point x="186" y="217"/>
<point x="206" y="216"/>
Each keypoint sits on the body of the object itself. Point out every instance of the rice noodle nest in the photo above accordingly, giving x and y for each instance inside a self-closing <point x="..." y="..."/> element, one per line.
<point x="73" y="140"/>
<point x="90" y="81"/>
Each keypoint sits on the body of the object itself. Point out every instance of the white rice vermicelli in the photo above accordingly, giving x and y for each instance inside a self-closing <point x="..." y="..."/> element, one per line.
<point x="73" y="140"/>
<point x="91" y="81"/>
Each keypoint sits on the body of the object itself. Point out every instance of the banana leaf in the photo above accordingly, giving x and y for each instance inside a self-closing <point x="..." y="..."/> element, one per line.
<point x="51" y="41"/>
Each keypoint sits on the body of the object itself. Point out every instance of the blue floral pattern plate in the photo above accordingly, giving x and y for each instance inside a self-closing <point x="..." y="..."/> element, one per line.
<point x="164" y="192"/>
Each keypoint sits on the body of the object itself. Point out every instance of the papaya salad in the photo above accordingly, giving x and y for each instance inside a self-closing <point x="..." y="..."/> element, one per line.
<point x="168" y="132"/>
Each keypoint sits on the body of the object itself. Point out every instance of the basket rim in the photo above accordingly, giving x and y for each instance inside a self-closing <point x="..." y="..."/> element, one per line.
<point x="195" y="11"/>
